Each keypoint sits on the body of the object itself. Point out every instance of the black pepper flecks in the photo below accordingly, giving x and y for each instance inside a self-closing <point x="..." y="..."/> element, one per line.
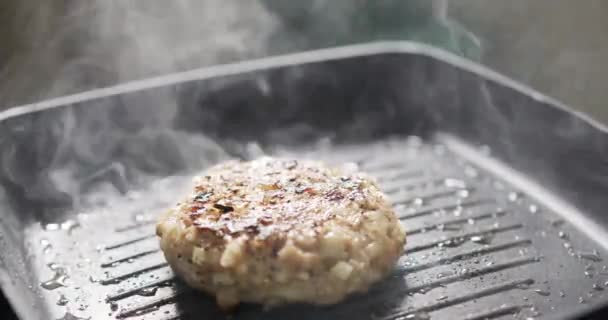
<point x="334" y="195"/>
<point x="223" y="208"/>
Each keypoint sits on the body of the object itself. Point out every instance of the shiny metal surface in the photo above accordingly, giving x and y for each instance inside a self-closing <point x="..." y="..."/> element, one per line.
<point x="491" y="158"/>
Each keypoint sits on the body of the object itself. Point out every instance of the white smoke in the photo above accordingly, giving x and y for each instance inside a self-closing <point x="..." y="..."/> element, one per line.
<point x="70" y="46"/>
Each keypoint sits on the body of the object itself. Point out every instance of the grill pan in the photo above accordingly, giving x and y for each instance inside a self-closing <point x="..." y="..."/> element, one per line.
<point x="501" y="189"/>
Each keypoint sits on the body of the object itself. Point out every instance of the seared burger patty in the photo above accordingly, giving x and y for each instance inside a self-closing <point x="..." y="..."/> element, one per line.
<point x="275" y="231"/>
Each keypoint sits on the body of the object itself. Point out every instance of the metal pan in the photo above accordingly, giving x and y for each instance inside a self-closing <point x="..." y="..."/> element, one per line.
<point x="501" y="189"/>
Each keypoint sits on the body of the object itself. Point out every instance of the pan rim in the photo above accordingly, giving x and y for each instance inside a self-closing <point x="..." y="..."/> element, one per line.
<point x="305" y="57"/>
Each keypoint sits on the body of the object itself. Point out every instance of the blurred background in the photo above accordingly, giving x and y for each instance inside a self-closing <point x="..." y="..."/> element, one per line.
<point x="53" y="48"/>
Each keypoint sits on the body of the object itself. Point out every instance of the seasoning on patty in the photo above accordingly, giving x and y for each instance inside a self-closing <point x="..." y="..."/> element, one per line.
<point x="275" y="231"/>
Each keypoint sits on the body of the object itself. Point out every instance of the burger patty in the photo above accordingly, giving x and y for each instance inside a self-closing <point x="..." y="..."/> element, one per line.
<point x="274" y="231"/>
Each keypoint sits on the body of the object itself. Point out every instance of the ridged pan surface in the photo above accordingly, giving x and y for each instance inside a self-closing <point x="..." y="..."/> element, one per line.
<point x="480" y="245"/>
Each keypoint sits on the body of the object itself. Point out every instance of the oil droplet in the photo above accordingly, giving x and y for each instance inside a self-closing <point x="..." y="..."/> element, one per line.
<point x="69" y="316"/>
<point x="148" y="292"/>
<point x="418" y="316"/>
<point x="62" y="300"/>
<point x="445" y="274"/>
<point x="58" y="279"/>
<point x="597" y="287"/>
<point x="591" y="256"/>
<point x="581" y="300"/>
<point x="533" y="208"/>
<point x="451" y="243"/>
<point x="588" y="274"/>
<point x="513" y="196"/>
<point x="523" y="251"/>
<point x="542" y="292"/>
<point x="442" y="298"/>
<point x="482" y="239"/>
<point x="535" y="312"/>
<point x="463" y="193"/>
<point x="471" y="221"/>
<point x="457" y="211"/>
<point x="562" y="235"/>
<point x="562" y="294"/>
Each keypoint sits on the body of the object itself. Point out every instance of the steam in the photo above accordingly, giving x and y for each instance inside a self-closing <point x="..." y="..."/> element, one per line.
<point x="80" y="45"/>
<point x="64" y="47"/>
<point x="71" y="46"/>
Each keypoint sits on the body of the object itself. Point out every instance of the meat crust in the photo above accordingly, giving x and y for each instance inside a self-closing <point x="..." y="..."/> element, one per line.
<point x="274" y="231"/>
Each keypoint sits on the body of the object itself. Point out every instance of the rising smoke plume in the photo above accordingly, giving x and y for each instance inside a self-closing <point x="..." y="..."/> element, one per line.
<point x="61" y="47"/>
